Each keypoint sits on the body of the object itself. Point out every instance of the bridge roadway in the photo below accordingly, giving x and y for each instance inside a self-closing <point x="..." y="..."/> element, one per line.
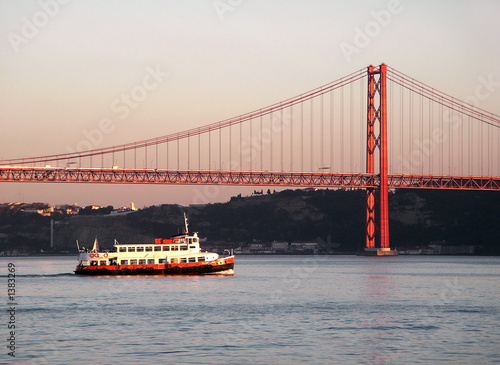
<point x="254" y="178"/>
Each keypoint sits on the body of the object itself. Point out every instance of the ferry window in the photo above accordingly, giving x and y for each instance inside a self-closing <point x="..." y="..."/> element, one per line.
<point x="174" y="261"/>
<point x="166" y="248"/>
<point x="192" y="259"/>
<point x="195" y="240"/>
<point x="124" y="262"/>
<point x="93" y="263"/>
<point x="131" y="249"/>
<point x="192" y="246"/>
<point x="201" y="258"/>
<point x="123" y="249"/>
<point x="149" y="249"/>
<point x="162" y="261"/>
<point x="133" y="262"/>
<point x="140" y="249"/>
<point x="151" y="261"/>
<point x="190" y="240"/>
<point x="102" y="262"/>
<point x="183" y="260"/>
<point x="183" y="248"/>
<point x="174" y="248"/>
<point x="142" y="262"/>
<point x="157" y="248"/>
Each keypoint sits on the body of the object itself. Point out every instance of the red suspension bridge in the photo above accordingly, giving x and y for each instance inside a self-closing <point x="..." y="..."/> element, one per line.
<point x="376" y="129"/>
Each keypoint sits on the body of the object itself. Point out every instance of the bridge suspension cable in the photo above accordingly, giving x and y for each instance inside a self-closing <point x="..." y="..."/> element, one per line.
<point x="442" y="98"/>
<point x="216" y="127"/>
<point x="430" y="133"/>
<point x="433" y="133"/>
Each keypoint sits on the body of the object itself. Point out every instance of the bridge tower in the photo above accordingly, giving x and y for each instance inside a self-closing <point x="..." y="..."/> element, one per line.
<point x="377" y="89"/>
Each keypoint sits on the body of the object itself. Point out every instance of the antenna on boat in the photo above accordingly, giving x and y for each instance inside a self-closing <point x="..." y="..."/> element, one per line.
<point x="77" y="246"/>
<point x="185" y="224"/>
<point x="96" y="246"/>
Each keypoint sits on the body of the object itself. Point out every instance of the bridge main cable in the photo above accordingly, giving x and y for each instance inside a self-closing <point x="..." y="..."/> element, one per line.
<point x="444" y="99"/>
<point x="357" y="75"/>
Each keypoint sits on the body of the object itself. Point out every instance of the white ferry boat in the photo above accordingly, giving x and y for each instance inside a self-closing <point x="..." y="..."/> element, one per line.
<point x="179" y="255"/>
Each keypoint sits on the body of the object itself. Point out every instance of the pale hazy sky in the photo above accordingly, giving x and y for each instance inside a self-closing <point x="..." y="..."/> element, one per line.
<point x="63" y="64"/>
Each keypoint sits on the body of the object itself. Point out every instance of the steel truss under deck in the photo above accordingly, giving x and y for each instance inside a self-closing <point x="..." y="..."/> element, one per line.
<point x="304" y="179"/>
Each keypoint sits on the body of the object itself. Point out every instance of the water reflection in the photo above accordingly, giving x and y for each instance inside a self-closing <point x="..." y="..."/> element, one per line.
<point x="377" y="289"/>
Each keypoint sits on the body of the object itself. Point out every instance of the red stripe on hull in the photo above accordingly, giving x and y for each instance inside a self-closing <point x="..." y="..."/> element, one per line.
<point x="197" y="268"/>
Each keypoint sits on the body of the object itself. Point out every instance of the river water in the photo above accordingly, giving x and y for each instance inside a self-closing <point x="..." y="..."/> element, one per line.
<point x="273" y="310"/>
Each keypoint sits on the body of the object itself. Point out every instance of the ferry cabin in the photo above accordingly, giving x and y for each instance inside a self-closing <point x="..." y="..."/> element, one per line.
<point x="180" y="249"/>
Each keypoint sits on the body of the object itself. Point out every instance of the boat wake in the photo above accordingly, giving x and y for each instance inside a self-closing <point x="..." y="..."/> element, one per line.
<point x="229" y="272"/>
<point x="40" y="275"/>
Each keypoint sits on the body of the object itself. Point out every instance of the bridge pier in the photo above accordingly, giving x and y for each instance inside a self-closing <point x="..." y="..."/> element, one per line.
<point x="379" y="251"/>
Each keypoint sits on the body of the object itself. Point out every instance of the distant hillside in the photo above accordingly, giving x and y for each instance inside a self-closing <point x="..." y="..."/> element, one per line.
<point x="337" y="217"/>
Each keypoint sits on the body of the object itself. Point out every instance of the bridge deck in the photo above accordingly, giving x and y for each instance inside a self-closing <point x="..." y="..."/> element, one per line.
<point x="299" y="179"/>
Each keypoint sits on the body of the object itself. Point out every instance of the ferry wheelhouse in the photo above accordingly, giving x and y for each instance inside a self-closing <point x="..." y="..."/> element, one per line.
<point x="179" y="255"/>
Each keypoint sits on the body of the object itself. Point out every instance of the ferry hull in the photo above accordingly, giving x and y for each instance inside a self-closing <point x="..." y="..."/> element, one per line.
<point x="222" y="264"/>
